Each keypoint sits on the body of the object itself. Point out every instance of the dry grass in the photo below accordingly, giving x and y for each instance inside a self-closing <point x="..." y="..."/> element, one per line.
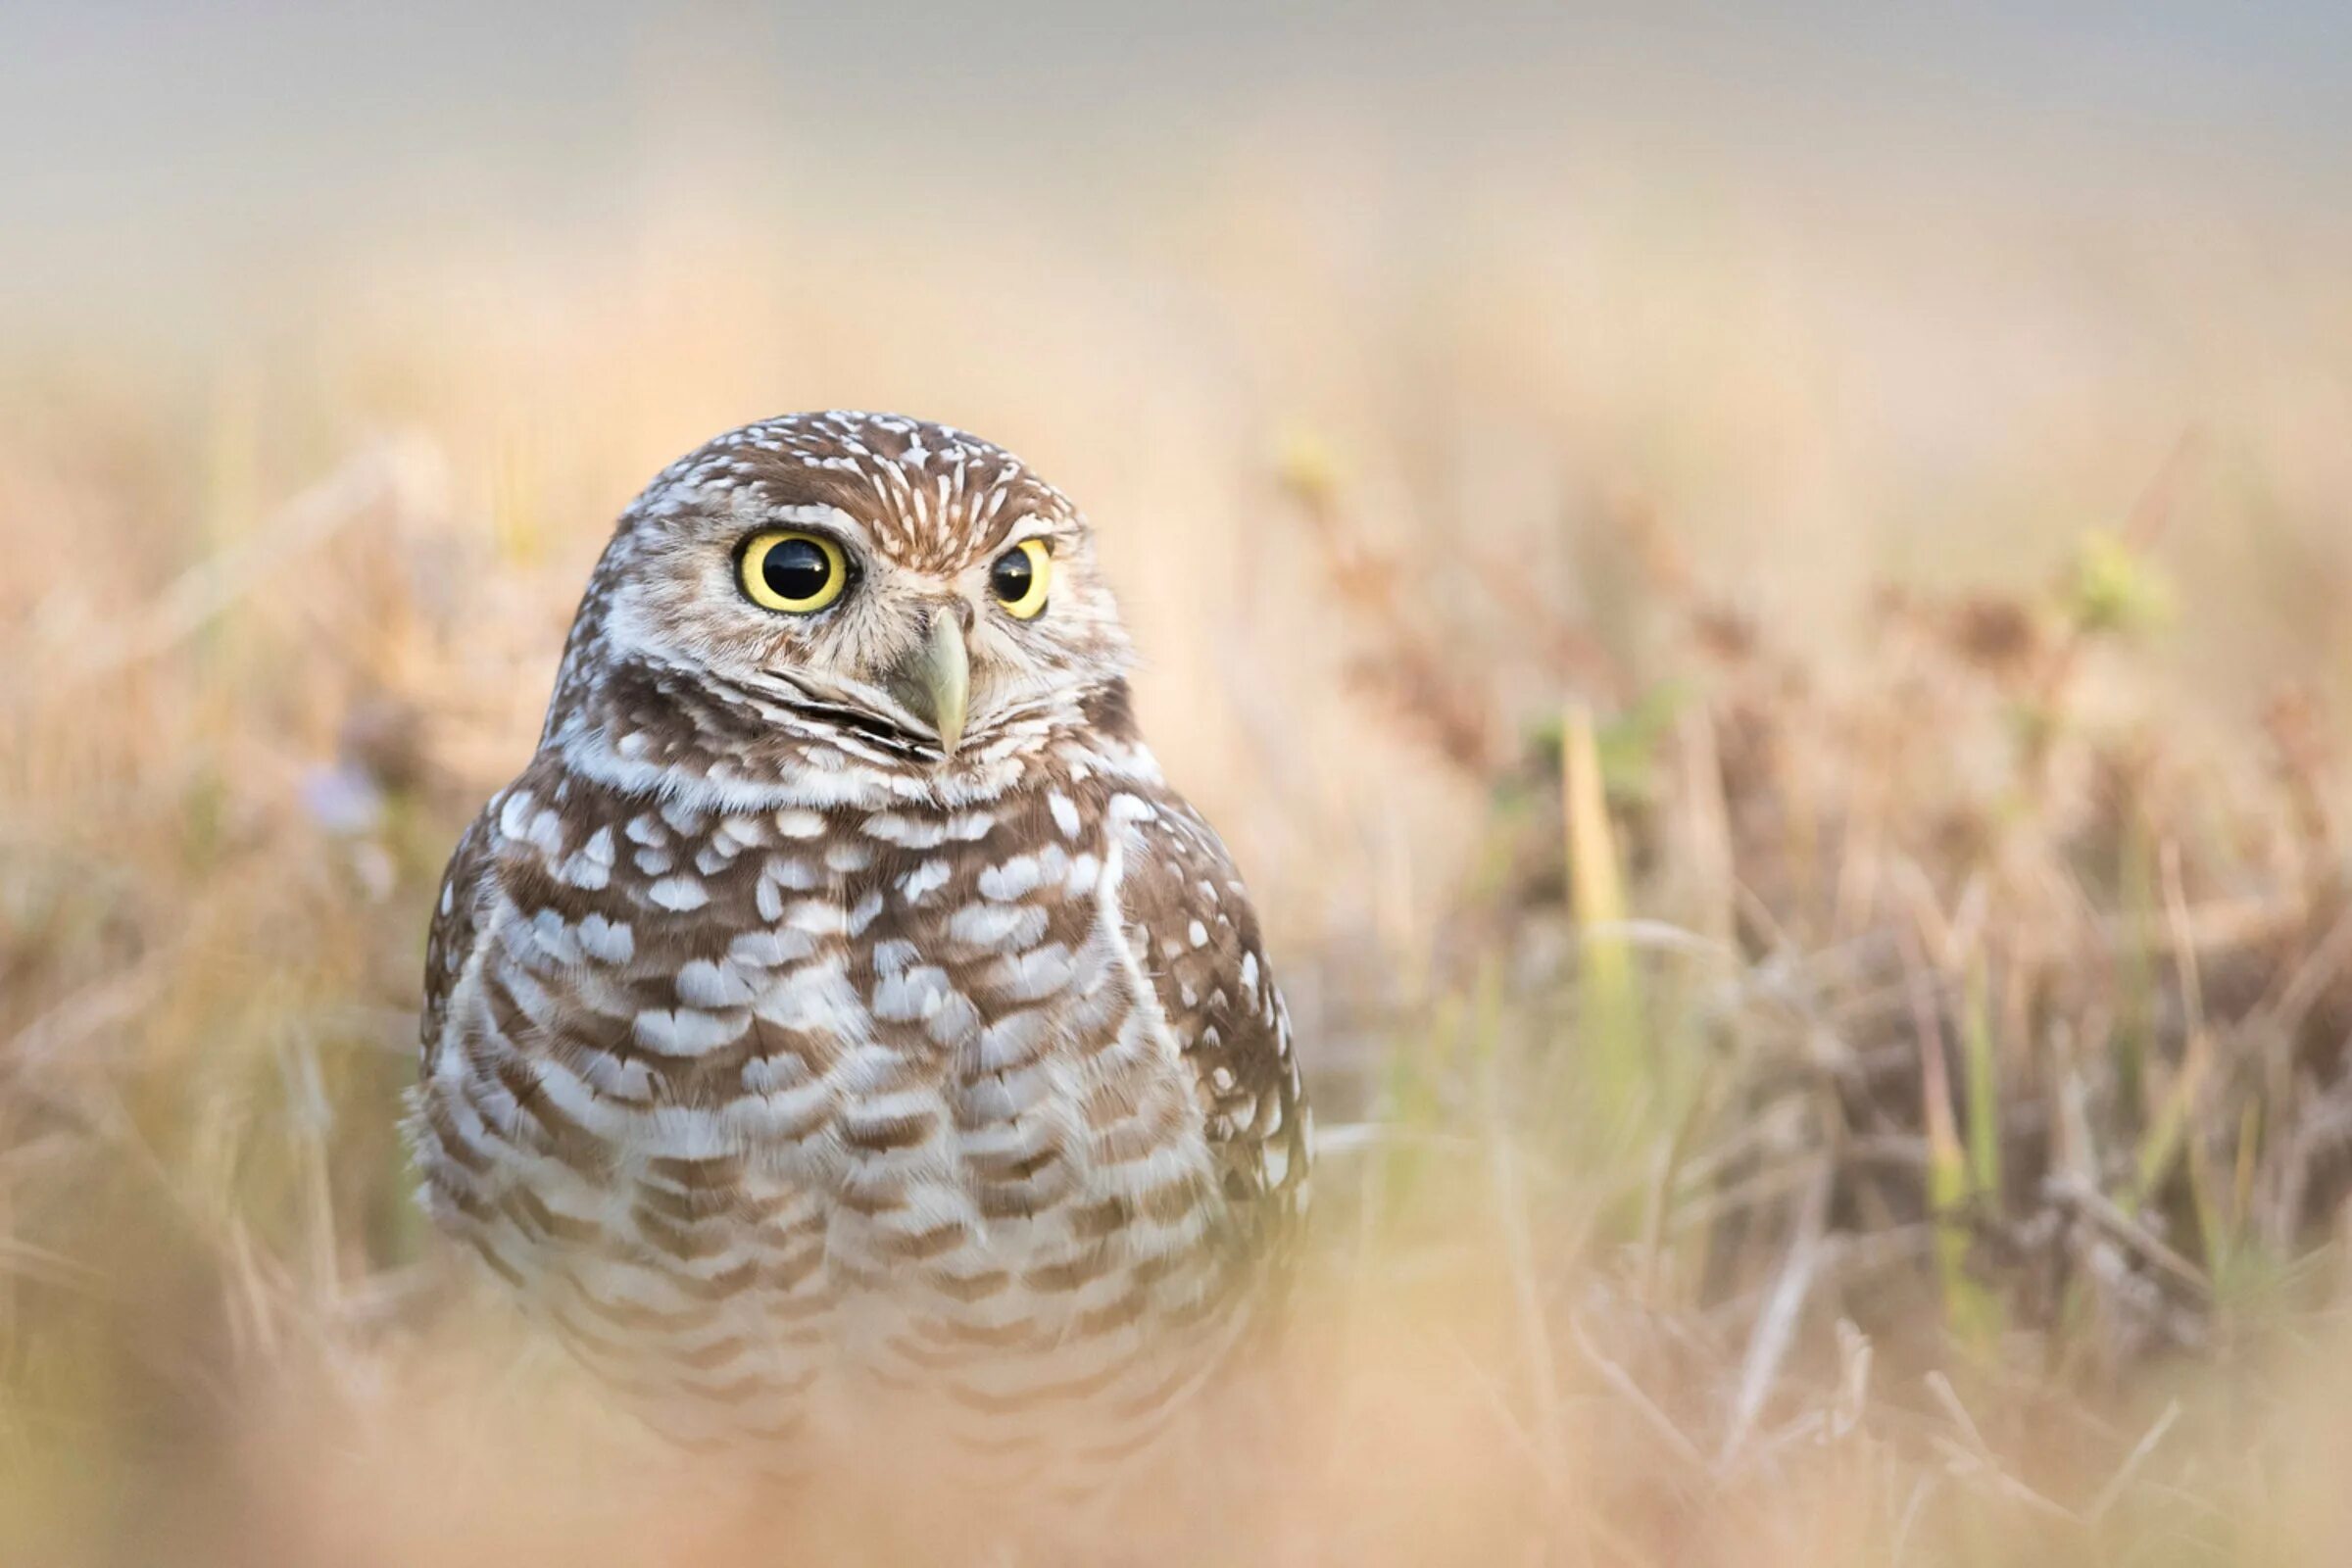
<point x="1819" y="1071"/>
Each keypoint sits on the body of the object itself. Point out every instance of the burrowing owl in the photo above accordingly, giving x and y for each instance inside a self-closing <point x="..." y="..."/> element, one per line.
<point x="840" y="1015"/>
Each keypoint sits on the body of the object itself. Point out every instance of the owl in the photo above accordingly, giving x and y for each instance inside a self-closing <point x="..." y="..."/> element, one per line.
<point x="840" y="1033"/>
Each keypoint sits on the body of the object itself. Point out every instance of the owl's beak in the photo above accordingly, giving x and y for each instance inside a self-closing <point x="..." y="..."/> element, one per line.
<point x="935" y="680"/>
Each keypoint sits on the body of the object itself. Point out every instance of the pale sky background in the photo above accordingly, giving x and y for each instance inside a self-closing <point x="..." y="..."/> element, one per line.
<point x="149" y="150"/>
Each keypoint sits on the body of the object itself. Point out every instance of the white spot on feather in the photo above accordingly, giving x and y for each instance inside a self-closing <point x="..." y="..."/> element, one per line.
<point x="770" y="950"/>
<point x="602" y="939"/>
<point x="1033" y="975"/>
<point x="991" y="925"/>
<point x="683" y="1031"/>
<point x="1014" y="878"/>
<point x="515" y="817"/>
<point x="914" y="995"/>
<point x="909" y="833"/>
<point x="704" y="984"/>
<point x="923" y="881"/>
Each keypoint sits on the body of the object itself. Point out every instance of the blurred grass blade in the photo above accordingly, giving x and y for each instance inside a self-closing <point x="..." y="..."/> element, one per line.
<point x="1971" y="1311"/>
<point x="1611" y="1006"/>
<point x="1983" y="1088"/>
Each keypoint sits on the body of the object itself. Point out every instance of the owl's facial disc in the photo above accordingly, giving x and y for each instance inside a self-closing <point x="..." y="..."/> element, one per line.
<point x="938" y="643"/>
<point x="901" y="589"/>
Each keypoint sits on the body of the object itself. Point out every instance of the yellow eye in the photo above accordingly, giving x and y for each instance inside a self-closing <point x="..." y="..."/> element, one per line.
<point x="799" y="574"/>
<point x="1021" y="578"/>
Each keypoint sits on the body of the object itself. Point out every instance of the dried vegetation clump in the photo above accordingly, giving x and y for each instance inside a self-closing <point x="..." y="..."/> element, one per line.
<point x="1926" y="1066"/>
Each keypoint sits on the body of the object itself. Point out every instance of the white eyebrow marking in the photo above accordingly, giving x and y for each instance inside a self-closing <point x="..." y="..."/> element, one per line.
<point x="1031" y="526"/>
<point x="808" y="515"/>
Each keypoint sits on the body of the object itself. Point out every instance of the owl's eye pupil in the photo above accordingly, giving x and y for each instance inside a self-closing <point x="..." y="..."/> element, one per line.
<point x="797" y="570"/>
<point x="1011" y="575"/>
<point x="792" y="573"/>
<point x="1021" y="578"/>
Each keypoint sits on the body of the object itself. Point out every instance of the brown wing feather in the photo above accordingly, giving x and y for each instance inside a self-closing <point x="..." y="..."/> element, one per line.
<point x="455" y="928"/>
<point x="1192" y="925"/>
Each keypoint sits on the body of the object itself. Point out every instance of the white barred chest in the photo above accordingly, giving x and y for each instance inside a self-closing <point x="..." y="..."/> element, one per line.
<point x="768" y="1109"/>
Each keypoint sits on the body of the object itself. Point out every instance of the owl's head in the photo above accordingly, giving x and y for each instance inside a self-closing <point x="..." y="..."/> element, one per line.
<point x="898" y="584"/>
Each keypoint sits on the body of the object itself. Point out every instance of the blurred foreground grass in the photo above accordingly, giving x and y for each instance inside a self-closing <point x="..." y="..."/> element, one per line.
<point x="1804" y="846"/>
